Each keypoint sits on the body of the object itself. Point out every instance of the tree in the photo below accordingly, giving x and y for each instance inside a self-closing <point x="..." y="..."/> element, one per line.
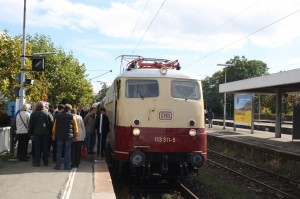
<point x="64" y="77"/>
<point x="101" y="94"/>
<point x="212" y="99"/>
<point x="241" y="69"/>
<point x="10" y="64"/>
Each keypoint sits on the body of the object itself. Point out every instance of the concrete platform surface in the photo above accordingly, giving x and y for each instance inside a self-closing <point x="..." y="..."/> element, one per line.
<point x="262" y="138"/>
<point x="102" y="181"/>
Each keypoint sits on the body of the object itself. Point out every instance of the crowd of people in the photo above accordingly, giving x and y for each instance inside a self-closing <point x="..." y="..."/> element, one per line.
<point x="63" y="131"/>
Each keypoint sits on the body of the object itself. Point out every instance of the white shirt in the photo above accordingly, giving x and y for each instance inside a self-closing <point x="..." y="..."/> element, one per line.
<point x="81" y="130"/>
<point x="21" y="128"/>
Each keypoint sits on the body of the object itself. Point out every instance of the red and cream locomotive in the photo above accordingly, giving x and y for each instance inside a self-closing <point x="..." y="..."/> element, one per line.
<point x="156" y="115"/>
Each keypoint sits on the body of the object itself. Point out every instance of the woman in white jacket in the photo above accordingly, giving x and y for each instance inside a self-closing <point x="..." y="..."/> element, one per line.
<point x="22" y="121"/>
<point x="76" y="146"/>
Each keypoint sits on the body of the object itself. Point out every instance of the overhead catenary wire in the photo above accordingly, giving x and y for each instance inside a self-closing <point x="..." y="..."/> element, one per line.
<point x="246" y="36"/>
<point x="149" y="26"/>
<point x="100" y="75"/>
<point x="226" y="22"/>
<point x="137" y="22"/>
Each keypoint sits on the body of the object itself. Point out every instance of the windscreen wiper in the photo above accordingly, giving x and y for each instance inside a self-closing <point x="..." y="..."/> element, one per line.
<point x="140" y="94"/>
<point x="186" y="93"/>
<point x="189" y="96"/>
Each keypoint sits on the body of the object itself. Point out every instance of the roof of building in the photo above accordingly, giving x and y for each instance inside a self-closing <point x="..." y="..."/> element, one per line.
<point x="287" y="81"/>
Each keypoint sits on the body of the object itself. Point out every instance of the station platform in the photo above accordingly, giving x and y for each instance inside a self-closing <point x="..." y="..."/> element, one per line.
<point x="261" y="125"/>
<point x="263" y="138"/>
<point x="102" y="181"/>
<point x="91" y="180"/>
<point x="283" y="152"/>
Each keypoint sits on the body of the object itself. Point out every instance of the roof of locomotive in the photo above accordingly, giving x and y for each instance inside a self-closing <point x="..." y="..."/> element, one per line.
<point x="155" y="73"/>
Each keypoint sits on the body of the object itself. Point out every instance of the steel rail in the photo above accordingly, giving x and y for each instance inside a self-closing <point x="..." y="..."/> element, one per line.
<point x="186" y="191"/>
<point x="252" y="179"/>
<point x="258" y="168"/>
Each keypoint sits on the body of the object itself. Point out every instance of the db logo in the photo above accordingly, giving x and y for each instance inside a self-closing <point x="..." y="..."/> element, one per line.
<point x="165" y="115"/>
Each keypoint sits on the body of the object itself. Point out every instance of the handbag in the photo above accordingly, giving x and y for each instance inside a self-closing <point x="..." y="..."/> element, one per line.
<point x="83" y="151"/>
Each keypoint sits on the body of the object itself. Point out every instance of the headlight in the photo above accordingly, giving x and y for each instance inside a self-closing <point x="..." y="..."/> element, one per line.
<point x="163" y="70"/>
<point x="136" y="131"/>
<point x="192" y="132"/>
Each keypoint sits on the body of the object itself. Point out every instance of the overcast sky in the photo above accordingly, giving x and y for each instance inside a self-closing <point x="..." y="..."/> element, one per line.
<point x="199" y="33"/>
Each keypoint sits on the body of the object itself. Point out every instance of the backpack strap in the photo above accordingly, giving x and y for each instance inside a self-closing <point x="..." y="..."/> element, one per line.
<point x="23" y="121"/>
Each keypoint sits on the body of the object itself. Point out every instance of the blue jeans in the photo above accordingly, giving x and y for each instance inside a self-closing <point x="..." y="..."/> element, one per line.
<point x="59" y="149"/>
<point x="90" y="141"/>
<point x="41" y="143"/>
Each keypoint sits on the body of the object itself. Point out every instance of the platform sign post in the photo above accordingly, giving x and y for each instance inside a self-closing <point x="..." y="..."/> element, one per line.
<point x="243" y="111"/>
<point x="296" y="123"/>
<point x="11" y="108"/>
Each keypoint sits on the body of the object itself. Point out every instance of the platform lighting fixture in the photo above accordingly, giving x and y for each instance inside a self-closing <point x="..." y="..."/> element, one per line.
<point x="224" y="102"/>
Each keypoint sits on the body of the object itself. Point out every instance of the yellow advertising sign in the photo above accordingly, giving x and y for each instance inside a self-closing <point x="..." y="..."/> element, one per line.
<point x="243" y="108"/>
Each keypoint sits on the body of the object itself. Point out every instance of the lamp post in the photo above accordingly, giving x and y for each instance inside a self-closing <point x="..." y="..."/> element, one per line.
<point x="224" y="102"/>
<point x="23" y="78"/>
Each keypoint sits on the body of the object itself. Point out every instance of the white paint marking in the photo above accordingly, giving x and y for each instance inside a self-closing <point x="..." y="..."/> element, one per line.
<point x="69" y="184"/>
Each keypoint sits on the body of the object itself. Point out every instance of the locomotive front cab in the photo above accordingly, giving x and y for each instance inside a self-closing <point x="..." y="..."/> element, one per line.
<point x="158" y="120"/>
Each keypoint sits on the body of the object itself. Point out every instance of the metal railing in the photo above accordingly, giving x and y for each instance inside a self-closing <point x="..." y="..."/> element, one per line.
<point x="5" y="139"/>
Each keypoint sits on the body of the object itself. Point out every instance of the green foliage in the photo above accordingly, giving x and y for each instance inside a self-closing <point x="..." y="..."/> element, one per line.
<point x="265" y="111"/>
<point x="62" y="81"/>
<point x="4" y="119"/>
<point x="241" y="69"/>
<point x="10" y="54"/>
<point x="101" y="94"/>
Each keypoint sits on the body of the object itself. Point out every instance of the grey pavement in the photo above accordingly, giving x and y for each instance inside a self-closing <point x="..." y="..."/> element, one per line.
<point x="22" y="180"/>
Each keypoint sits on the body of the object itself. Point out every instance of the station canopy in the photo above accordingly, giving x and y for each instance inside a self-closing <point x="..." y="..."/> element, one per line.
<point x="287" y="82"/>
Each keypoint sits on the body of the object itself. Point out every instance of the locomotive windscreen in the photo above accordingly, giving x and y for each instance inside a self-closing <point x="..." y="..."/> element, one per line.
<point x="185" y="90"/>
<point x="141" y="88"/>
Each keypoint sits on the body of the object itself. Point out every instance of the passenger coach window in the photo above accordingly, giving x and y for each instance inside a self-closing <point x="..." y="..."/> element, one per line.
<point x="185" y="90"/>
<point x="141" y="88"/>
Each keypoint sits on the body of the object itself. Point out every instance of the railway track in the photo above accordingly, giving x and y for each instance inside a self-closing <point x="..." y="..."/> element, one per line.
<point x="279" y="185"/>
<point x="161" y="189"/>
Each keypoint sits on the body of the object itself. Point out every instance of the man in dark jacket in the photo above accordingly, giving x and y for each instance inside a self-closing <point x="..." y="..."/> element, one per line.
<point x="60" y="108"/>
<point x="210" y="117"/>
<point x="89" y="124"/>
<point x="65" y="130"/>
<point x="40" y="125"/>
<point x="103" y="121"/>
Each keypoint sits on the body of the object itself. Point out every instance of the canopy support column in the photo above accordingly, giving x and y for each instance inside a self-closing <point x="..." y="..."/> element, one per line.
<point x="278" y="113"/>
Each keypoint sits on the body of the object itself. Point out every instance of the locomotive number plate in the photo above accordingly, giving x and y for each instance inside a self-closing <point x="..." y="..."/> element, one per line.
<point x="164" y="139"/>
<point x="165" y="115"/>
